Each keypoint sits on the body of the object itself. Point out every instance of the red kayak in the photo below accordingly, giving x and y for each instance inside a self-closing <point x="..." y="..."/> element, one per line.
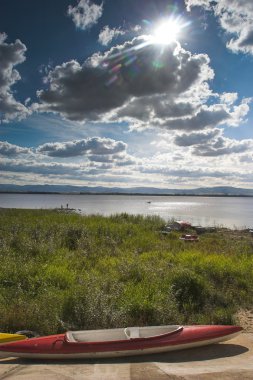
<point x="189" y="238"/>
<point x="119" y="342"/>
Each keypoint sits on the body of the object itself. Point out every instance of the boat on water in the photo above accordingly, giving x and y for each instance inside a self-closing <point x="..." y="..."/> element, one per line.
<point x="5" y="338"/>
<point x="119" y="342"/>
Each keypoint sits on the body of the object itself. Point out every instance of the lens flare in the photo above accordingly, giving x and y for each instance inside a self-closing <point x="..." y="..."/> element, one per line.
<point x="168" y="30"/>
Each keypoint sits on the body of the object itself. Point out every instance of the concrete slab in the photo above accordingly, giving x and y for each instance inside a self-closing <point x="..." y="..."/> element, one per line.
<point x="231" y="360"/>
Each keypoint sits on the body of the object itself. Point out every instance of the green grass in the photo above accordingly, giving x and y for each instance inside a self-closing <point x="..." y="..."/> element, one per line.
<point x="65" y="271"/>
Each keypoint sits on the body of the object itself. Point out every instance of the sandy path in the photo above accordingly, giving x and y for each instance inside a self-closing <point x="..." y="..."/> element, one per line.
<point x="226" y="361"/>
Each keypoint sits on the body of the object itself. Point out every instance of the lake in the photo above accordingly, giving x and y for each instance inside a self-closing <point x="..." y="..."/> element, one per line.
<point x="232" y="212"/>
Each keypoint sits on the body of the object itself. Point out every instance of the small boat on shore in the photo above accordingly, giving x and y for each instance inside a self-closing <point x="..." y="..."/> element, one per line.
<point x="119" y="342"/>
<point x="179" y="225"/>
<point x="200" y="229"/>
<point x="189" y="238"/>
<point x="6" y="338"/>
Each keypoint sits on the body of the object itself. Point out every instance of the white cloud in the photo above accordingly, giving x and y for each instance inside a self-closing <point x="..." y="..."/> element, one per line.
<point x="246" y="159"/>
<point x="206" y="4"/>
<point x="185" y="172"/>
<point x="205" y="117"/>
<point x="235" y="17"/>
<point x="178" y="168"/>
<point x="107" y="34"/>
<point x="223" y="146"/>
<point x="143" y="85"/>
<point x="11" y="55"/>
<point x="43" y="168"/>
<point x="92" y="146"/>
<point x="96" y="166"/>
<point x="212" y="143"/>
<point x="7" y="149"/>
<point x="136" y="28"/>
<point x="228" y="97"/>
<point x="159" y="106"/>
<point x="239" y="112"/>
<point x="196" y="138"/>
<point x="85" y="14"/>
<point x="91" y="158"/>
<point x="89" y="92"/>
<point x="195" y="160"/>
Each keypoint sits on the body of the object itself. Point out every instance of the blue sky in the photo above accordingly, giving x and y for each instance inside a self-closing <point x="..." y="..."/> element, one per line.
<point x="126" y="93"/>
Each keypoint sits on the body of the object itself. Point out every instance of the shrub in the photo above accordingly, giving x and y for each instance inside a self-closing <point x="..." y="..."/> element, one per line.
<point x="190" y="291"/>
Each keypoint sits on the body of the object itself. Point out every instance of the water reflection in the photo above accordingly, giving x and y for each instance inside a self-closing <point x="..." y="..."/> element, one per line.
<point x="207" y="211"/>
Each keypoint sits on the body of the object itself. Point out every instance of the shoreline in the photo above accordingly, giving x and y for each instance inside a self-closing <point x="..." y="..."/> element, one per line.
<point x="77" y="211"/>
<point x="129" y="194"/>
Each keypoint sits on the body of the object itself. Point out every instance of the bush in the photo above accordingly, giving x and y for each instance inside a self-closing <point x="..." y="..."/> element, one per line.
<point x="190" y="291"/>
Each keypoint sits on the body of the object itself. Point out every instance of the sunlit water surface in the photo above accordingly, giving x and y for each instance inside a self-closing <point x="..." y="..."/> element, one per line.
<point x="232" y="212"/>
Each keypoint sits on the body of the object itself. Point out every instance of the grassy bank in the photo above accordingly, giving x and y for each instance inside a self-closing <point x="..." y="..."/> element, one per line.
<point x="65" y="271"/>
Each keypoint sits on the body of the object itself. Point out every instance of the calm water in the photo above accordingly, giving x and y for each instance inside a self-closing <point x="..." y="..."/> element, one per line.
<point x="206" y="211"/>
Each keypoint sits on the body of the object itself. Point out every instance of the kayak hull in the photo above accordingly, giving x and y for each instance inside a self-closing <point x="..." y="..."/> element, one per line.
<point x="58" y="347"/>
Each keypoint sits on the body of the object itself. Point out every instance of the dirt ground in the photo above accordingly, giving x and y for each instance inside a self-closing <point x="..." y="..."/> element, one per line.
<point x="245" y="319"/>
<point x="231" y="360"/>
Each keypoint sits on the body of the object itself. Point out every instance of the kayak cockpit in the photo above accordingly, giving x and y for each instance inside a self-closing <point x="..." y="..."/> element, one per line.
<point x="108" y="335"/>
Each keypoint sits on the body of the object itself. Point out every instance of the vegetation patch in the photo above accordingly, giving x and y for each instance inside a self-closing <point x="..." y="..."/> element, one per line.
<point x="66" y="271"/>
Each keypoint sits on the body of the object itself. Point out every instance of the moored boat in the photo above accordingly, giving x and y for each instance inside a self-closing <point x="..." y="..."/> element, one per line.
<point x="5" y="338"/>
<point x="119" y="342"/>
<point x="189" y="237"/>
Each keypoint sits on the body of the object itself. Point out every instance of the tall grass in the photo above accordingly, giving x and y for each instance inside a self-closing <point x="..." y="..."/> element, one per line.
<point x="65" y="271"/>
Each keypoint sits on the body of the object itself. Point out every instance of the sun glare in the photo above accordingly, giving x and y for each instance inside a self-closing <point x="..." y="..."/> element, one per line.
<point x="167" y="32"/>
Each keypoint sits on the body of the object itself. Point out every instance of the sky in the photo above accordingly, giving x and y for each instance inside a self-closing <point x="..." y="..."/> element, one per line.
<point x="126" y="93"/>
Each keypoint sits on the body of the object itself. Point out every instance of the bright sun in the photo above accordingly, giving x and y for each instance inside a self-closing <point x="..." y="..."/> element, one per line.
<point x="167" y="32"/>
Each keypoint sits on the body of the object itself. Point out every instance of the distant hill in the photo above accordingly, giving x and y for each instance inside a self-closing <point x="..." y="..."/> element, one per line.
<point x="212" y="191"/>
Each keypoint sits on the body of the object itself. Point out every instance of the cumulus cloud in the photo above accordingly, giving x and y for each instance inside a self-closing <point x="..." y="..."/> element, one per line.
<point x="45" y="168"/>
<point x="136" y="28"/>
<point x="87" y="91"/>
<point x="223" y="146"/>
<point x="235" y="17"/>
<point x="240" y="111"/>
<point x="116" y="159"/>
<point x="185" y="173"/>
<point x="196" y="138"/>
<point x="11" y="55"/>
<point x="205" y="117"/>
<point x="158" y="106"/>
<point x="85" y="14"/>
<point x="92" y="146"/>
<point x="212" y="143"/>
<point x="198" y="171"/>
<point x="229" y="97"/>
<point x="144" y="85"/>
<point x="107" y="34"/>
<point x="7" y="149"/>
<point x="106" y="161"/>
<point x="246" y="158"/>
<point x="184" y="113"/>
<point x="206" y="4"/>
<point x="96" y="164"/>
<point x="95" y="149"/>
